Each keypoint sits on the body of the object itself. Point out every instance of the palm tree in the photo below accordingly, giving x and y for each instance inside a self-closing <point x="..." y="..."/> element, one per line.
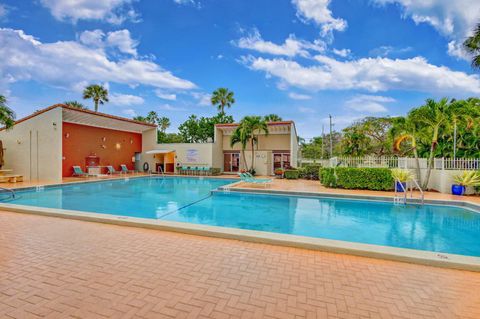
<point x="7" y="116"/>
<point x="472" y="45"/>
<point x="97" y="93"/>
<point x="75" y="104"/>
<point x="152" y="117"/>
<point x="222" y="98"/>
<point x="247" y="131"/>
<point x="272" y="118"/>
<point x="163" y="123"/>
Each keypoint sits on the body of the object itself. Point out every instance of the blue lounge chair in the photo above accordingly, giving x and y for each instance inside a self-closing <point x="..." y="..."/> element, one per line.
<point x="248" y="178"/>
<point x="125" y="169"/>
<point x="77" y="171"/>
<point x="111" y="170"/>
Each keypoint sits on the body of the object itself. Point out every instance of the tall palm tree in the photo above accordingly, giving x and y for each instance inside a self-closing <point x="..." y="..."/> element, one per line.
<point x="247" y="131"/>
<point x="222" y="98"/>
<point x="272" y="118"/>
<point x="472" y="45"/>
<point x="163" y="123"/>
<point x="7" y="116"/>
<point x="240" y="135"/>
<point x="97" y="93"/>
<point x="152" y="117"/>
<point x="75" y="104"/>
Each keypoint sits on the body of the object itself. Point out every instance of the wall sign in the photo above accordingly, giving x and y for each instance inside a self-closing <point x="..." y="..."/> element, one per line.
<point x="192" y="156"/>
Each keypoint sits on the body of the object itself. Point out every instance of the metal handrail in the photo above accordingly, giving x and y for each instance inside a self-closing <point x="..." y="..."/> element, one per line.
<point x="398" y="182"/>
<point x="420" y="189"/>
<point x="12" y="192"/>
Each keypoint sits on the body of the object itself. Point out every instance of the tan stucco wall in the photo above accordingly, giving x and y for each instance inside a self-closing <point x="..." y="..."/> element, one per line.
<point x="33" y="148"/>
<point x="265" y="143"/>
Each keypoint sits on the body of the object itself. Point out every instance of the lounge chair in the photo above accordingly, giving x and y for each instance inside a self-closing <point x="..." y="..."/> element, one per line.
<point x="77" y="171"/>
<point x="125" y="170"/>
<point x="111" y="170"/>
<point x="248" y="178"/>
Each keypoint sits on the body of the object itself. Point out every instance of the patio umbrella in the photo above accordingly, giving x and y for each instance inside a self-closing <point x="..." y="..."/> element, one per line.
<point x="1" y="154"/>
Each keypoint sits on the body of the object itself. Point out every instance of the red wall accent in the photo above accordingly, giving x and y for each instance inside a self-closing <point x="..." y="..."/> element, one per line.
<point x="80" y="141"/>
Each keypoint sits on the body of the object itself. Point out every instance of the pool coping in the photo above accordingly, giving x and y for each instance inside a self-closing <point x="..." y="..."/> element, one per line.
<point x="428" y="258"/>
<point x="422" y="257"/>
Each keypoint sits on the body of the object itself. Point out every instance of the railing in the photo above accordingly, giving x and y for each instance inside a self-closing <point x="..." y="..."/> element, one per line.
<point x="403" y="197"/>
<point x="398" y="162"/>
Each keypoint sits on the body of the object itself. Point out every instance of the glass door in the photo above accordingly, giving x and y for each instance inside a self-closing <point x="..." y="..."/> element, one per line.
<point x="231" y="162"/>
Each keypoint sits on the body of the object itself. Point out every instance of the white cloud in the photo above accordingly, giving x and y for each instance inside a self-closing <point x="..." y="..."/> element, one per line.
<point x="165" y="96"/>
<point x="297" y="96"/>
<point x="343" y="52"/>
<point x="454" y="19"/>
<point x="121" y="39"/>
<point x="456" y="50"/>
<point x="168" y="107"/>
<point x="318" y="11"/>
<point x="125" y="99"/>
<point x="68" y="64"/>
<point x="3" y="11"/>
<point x="387" y="50"/>
<point x="203" y="99"/>
<point x="129" y="112"/>
<point x="371" y="74"/>
<point x="292" y="46"/>
<point x="306" y="110"/>
<point x="112" y="11"/>
<point x="369" y="103"/>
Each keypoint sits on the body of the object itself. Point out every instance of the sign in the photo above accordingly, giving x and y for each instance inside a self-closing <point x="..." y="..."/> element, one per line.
<point x="192" y="156"/>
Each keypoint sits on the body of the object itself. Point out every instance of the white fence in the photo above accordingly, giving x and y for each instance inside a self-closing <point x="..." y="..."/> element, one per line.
<point x="398" y="162"/>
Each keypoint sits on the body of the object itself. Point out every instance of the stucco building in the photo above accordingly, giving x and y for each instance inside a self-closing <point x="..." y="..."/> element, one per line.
<point x="45" y="145"/>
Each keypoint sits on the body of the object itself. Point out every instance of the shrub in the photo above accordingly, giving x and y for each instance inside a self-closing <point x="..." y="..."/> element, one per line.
<point x="291" y="174"/>
<point x="327" y="177"/>
<point x="357" y="178"/>
<point x="215" y="171"/>
<point x="310" y="171"/>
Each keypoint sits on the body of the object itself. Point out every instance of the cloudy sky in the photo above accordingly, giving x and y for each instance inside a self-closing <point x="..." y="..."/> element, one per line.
<point x="301" y="59"/>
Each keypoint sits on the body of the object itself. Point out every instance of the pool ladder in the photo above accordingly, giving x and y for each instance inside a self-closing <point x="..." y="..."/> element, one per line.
<point x="402" y="197"/>
<point x="9" y="191"/>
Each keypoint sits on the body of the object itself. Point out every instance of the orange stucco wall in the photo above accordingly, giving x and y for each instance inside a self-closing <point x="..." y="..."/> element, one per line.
<point x="113" y="147"/>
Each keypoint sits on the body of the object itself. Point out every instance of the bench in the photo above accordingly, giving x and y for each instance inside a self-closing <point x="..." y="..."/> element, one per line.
<point x="11" y="178"/>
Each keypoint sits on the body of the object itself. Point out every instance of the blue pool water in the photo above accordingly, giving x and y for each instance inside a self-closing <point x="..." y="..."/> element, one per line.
<point x="446" y="229"/>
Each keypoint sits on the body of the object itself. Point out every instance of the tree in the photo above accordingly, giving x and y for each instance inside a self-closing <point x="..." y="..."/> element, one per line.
<point x="75" y="104"/>
<point x="222" y="98"/>
<point x="7" y="116"/>
<point x="472" y="45"/>
<point x="163" y="123"/>
<point x="151" y="118"/>
<point x="201" y="130"/>
<point x="248" y="130"/>
<point x="97" y="93"/>
<point x="272" y="118"/>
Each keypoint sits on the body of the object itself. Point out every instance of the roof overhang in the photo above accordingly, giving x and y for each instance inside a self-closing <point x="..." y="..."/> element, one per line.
<point x="283" y="127"/>
<point x="89" y="118"/>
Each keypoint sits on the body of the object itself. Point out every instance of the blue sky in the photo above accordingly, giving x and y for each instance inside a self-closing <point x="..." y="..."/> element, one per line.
<point x="301" y="59"/>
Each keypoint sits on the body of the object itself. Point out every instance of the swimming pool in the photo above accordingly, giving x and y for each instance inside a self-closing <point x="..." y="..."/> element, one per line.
<point x="447" y="229"/>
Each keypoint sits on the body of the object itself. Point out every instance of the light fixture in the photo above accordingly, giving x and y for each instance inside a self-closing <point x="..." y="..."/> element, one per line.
<point x="118" y="146"/>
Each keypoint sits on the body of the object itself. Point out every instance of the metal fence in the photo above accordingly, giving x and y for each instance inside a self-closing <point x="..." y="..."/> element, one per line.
<point x="397" y="162"/>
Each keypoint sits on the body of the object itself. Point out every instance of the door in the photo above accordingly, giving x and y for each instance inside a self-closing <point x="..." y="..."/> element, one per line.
<point x="281" y="160"/>
<point x="138" y="162"/>
<point x="231" y="162"/>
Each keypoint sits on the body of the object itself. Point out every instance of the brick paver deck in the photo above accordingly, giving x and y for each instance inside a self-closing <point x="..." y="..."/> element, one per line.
<point x="60" y="268"/>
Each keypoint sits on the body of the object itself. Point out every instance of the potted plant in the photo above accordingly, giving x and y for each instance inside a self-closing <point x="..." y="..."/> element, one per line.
<point x="279" y="172"/>
<point x="401" y="177"/>
<point x="463" y="180"/>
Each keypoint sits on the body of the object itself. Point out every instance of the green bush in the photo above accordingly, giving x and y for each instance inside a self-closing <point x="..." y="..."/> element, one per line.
<point x="310" y="171"/>
<point x="357" y="178"/>
<point x="291" y="174"/>
<point x="215" y="171"/>
<point x="327" y="177"/>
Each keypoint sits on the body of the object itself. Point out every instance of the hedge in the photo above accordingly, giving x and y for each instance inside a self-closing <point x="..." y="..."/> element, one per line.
<point x="291" y="174"/>
<point x="357" y="178"/>
<point x="310" y="171"/>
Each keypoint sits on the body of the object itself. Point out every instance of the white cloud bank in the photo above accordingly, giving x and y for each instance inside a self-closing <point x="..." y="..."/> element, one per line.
<point x="455" y="19"/>
<point x="292" y="46"/>
<point x="125" y="99"/>
<point x="369" y="103"/>
<point x="370" y="74"/>
<point x="120" y="40"/>
<point x="318" y="12"/>
<point x="71" y="64"/>
<point x="111" y="11"/>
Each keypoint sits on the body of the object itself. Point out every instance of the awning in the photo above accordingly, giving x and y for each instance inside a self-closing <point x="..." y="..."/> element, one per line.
<point x="159" y="151"/>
